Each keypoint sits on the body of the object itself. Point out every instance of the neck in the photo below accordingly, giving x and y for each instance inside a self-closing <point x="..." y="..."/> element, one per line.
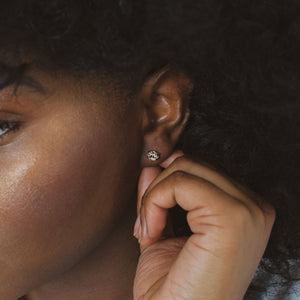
<point x="107" y="273"/>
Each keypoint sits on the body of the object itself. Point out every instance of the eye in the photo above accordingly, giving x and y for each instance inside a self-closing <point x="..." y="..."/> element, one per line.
<point x="7" y="128"/>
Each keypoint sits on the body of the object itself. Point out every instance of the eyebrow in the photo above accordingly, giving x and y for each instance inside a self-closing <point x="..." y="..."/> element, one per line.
<point x="31" y="83"/>
<point x="17" y="77"/>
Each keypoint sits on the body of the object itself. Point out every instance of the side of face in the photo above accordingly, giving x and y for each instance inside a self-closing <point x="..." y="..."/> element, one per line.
<point x="63" y="178"/>
<point x="70" y="171"/>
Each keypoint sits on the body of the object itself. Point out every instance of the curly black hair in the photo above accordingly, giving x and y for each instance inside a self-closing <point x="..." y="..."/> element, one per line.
<point x="243" y="58"/>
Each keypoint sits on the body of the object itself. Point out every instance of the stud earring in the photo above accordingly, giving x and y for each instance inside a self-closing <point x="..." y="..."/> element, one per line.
<point x="153" y="155"/>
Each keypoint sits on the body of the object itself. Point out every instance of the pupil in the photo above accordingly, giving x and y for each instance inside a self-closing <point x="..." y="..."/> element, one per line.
<point x="4" y="126"/>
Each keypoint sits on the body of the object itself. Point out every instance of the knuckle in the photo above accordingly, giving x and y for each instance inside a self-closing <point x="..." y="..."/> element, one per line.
<point x="147" y="197"/>
<point x="270" y="210"/>
<point x="272" y="214"/>
<point x="242" y="214"/>
<point x="177" y="176"/>
<point x="269" y="214"/>
<point x="265" y="212"/>
<point x="254" y="216"/>
<point x="264" y="208"/>
<point x="179" y="162"/>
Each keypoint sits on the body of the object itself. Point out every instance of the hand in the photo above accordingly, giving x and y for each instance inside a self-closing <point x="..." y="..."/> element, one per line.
<point x="231" y="227"/>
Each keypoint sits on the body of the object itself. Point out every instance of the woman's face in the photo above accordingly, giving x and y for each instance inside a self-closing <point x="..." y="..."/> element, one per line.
<point x="63" y="176"/>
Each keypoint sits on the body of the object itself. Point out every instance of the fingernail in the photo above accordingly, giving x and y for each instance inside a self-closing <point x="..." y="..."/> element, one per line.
<point x="140" y="231"/>
<point x="171" y="158"/>
<point x="145" y="229"/>
<point x="137" y="227"/>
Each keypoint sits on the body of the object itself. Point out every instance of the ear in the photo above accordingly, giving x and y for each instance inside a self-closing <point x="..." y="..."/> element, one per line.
<point x="165" y="96"/>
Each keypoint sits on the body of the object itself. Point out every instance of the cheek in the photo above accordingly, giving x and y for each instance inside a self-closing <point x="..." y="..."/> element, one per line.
<point x="59" y="196"/>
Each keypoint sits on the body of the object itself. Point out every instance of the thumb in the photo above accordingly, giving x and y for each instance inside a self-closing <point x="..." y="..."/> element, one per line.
<point x="171" y="158"/>
<point x="147" y="175"/>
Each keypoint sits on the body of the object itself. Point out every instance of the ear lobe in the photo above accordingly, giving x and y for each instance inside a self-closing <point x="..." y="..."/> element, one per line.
<point x="165" y="95"/>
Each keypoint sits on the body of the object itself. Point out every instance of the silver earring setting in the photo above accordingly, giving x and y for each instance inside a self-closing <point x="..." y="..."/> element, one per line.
<point x="153" y="155"/>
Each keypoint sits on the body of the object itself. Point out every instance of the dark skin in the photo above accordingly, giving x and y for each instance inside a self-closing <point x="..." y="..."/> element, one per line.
<point x="71" y="201"/>
<point x="73" y="179"/>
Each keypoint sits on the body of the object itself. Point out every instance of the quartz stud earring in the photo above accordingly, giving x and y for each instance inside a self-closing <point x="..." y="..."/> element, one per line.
<point x="153" y="155"/>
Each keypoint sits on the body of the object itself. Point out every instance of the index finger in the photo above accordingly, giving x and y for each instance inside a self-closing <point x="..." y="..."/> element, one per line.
<point x="216" y="177"/>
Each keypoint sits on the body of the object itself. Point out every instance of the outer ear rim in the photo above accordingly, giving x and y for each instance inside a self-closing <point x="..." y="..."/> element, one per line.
<point x="179" y="83"/>
<point x="165" y="135"/>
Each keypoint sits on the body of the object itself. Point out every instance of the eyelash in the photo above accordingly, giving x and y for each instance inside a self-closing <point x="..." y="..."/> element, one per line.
<point x="8" y="128"/>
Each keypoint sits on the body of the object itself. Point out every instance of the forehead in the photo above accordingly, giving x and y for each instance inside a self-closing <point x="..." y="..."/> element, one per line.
<point x="44" y="79"/>
<point x="34" y="85"/>
<point x="25" y="83"/>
